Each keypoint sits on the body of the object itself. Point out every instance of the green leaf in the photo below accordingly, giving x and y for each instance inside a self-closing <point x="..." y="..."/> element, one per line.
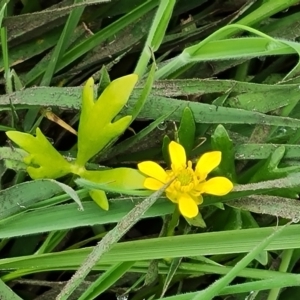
<point x="96" y="129"/>
<point x="62" y="43"/>
<point x="171" y="273"/>
<point x="106" y="280"/>
<point x="42" y="155"/>
<point x="7" y="293"/>
<point x="272" y="205"/>
<point x="156" y="34"/>
<point x="67" y="216"/>
<point x="220" y="141"/>
<point x="144" y="94"/>
<point x="165" y="150"/>
<point x="186" y="131"/>
<point x="104" y="81"/>
<point x="20" y="197"/>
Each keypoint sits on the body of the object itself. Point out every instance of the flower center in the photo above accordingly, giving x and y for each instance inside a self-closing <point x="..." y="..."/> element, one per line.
<point x="185" y="177"/>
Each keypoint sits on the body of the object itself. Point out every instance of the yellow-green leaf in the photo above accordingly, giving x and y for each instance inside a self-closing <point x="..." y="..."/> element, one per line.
<point x="96" y="129"/>
<point x="100" y="198"/>
<point x="124" y="178"/>
<point x="44" y="160"/>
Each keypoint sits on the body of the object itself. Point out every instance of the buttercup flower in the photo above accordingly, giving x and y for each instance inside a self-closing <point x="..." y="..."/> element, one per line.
<point x="189" y="184"/>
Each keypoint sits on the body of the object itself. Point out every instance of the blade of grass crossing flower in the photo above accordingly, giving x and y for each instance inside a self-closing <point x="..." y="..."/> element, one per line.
<point x="215" y="288"/>
<point x="108" y="241"/>
<point x="156" y="34"/>
<point x="106" y="280"/>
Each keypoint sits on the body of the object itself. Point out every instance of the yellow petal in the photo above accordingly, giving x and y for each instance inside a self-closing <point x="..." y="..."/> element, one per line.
<point x="218" y="186"/>
<point x="172" y="196"/>
<point x="177" y="156"/>
<point x="154" y="170"/>
<point x="207" y="162"/>
<point x="198" y="199"/>
<point x="152" y="184"/>
<point x="187" y="206"/>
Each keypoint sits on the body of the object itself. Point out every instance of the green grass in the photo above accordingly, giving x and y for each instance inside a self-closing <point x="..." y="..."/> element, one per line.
<point x="215" y="77"/>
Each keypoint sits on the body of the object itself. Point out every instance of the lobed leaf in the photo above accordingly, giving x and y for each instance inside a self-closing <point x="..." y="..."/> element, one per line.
<point x="42" y="155"/>
<point x="96" y="129"/>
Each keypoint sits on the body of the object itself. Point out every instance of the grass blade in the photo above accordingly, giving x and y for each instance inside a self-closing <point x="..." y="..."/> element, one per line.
<point x="156" y="34"/>
<point x="6" y="293"/>
<point x="215" y="288"/>
<point x="106" y="280"/>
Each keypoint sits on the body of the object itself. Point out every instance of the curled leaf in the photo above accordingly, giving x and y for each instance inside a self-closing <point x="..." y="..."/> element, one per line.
<point x="44" y="160"/>
<point x="96" y="129"/>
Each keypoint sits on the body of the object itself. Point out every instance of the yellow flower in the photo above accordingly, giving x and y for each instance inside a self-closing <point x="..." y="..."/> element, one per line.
<point x="189" y="184"/>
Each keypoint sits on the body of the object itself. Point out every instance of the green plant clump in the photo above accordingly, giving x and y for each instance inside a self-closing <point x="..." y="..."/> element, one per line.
<point x="149" y="149"/>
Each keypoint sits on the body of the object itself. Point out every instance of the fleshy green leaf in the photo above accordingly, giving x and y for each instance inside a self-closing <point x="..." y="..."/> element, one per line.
<point x="44" y="160"/>
<point x="221" y="141"/>
<point x="96" y="129"/>
<point x="186" y="131"/>
<point x="165" y="150"/>
<point x="120" y="178"/>
<point x="100" y="198"/>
